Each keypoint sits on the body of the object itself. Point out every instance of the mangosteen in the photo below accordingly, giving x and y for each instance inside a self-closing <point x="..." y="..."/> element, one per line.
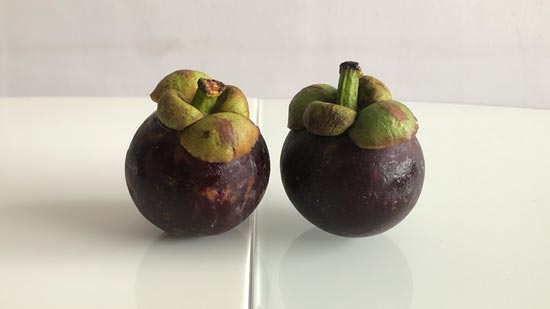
<point x="351" y="163"/>
<point x="197" y="165"/>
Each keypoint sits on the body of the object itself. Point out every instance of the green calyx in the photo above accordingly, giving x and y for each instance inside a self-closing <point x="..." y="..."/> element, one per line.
<point x="324" y="110"/>
<point x="184" y="81"/>
<point x="297" y="107"/>
<point x="232" y="100"/>
<point x="220" y="137"/>
<point x="361" y="105"/>
<point x="174" y="112"/>
<point x="328" y="119"/>
<point x="383" y="124"/>
<point x="212" y="118"/>
<point x="371" y="90"/>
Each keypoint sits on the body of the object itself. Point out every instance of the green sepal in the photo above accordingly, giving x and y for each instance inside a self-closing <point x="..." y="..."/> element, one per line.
<point x="220" y="137"/>
<point x="184" y="81"/>
<point x="371" y="90"/>
<point x="328" y="119"/>
<point x="297" y="107"/>
<point x="232" y="100"/>
<point x="383" y="124"/>
<point x="174" y="112"/>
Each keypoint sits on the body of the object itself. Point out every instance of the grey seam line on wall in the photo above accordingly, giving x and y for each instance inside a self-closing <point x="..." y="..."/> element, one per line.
<point x="252" y="256"/>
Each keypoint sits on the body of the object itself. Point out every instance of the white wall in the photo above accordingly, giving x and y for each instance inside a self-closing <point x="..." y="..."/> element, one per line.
<point x="493" y="51"/>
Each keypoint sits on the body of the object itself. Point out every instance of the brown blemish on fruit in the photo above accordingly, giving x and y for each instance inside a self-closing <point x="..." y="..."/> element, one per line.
<point x="395" y="111"/>
<point x="227" y="195"/>
<point x="225" y="130"/>
<point x="185" y="73"/>
<point x="210" y="194"/>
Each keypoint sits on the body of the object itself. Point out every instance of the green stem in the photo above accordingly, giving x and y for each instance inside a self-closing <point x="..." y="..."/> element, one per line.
<point x="348" y="84"/>
<point x="208" y="92"/>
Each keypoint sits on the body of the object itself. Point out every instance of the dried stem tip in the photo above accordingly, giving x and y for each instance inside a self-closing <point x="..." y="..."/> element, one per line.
<point x="350" y="65"/>
<point x="211" y="87"/>
<point x="207" y="94"/>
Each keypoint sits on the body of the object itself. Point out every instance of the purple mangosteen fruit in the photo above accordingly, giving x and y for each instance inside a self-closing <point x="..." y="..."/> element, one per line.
<point x="351" y="163"/>
<point x="197" y="165"/>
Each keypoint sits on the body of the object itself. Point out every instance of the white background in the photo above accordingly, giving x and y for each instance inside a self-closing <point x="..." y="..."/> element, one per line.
<point x="488" y="52"/>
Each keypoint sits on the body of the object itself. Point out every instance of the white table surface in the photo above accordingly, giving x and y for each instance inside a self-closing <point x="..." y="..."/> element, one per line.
<point x="70" y="236"/>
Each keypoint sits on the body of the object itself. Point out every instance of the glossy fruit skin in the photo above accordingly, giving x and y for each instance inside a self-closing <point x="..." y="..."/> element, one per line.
<point x="186" y="196"/>
<point x="349" y="191"/>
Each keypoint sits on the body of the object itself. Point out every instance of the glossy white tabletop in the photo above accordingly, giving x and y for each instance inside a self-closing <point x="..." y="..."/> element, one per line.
<point x="70" y="236"/>
<point x="477" y="238"/>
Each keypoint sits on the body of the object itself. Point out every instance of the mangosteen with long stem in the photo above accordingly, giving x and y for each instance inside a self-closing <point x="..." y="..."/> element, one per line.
<point x="351" y="163"/>
<point x="197" y="165"/>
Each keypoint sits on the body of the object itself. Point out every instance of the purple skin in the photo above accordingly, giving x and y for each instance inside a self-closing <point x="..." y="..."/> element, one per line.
<point x="186" y="196"/>
<point x="349" y="191"/>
